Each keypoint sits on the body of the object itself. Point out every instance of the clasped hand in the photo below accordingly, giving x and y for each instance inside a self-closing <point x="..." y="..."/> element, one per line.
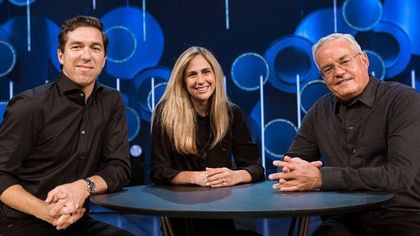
<point x="217" y="177"/>
<point x="297" y="175"/>
<point x="65" y="203"/>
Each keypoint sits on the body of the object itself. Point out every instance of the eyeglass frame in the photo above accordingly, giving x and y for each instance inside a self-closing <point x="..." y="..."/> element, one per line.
<point x="343" y="64"/>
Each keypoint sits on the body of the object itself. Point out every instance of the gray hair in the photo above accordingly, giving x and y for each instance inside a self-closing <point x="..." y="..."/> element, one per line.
<point x="335" y="36"/>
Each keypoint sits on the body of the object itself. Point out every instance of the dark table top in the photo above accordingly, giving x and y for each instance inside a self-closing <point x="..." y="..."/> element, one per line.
<point x="248" y="200"/>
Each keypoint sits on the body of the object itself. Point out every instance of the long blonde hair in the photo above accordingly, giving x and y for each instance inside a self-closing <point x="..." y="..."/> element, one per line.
<point x="176" y="111"/>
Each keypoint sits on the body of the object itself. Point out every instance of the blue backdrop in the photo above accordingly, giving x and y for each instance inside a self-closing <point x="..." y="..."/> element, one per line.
<point x="257" y="42"/>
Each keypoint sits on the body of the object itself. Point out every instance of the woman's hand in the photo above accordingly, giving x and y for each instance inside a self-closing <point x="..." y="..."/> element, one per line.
<point x="222" y="177"/>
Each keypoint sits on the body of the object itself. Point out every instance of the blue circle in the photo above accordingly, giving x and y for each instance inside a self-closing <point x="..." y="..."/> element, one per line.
<point x="136" y="151"/>
<point x="247" y="69"/>
<point x="147" y="51"/>
<point x="159" y="89"/>
<point x="21" y="2"/>
<point x="287" y="57"/>
<point x="320" y="23"/>
<point x="116" y="53"/>
<point x="7" y="58"/>
<point x="143" y="85"/>
<point x="53" y="30"/>
<point x="311" y="92"/>
<point x="279" y="134"/>
<point x="376" y="64"/>
<point x="392" y="36"/>
<point x="406" y="15"/>
<point x="362" y="15"/>
<point x="133" y="123"/>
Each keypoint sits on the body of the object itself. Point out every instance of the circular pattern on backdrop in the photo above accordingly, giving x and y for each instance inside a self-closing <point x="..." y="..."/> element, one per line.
<point x="311" y="92"/>
<point x="362" y="15"/>
<point x="319" y="24"/>
<point x="159" y="89"/>
<point x="247" y="69"/>
<point x="145" y="53"/>
<point x="7" y="58"/>
<point x="133" y="122"/>
<point x="53" y="30"/>
<point x="278" y="133"/>
<point x="287" y="57"/>
<point x="143" y="85"/>
<point x="376" y="64"/>
<point x="21" y="2"/>
<point x="393" y="45"/>
<point x="121" y="54"/>
<point x="406" y="15"/>
<point x="3" y="105"/>
<point x="136" y="151"/>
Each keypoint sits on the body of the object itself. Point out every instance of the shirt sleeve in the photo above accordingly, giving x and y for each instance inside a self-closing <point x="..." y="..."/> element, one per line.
<point x="115" y="165"/>
<point x="244" y="151"/>
<point x="162" y="170"/>
<point x="17" y="134"/>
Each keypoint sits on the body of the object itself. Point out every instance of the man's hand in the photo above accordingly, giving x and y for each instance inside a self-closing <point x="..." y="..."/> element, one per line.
<point x="64" y="221"/>
<point x="67" y="198"/>
<point x="297" y="175"/>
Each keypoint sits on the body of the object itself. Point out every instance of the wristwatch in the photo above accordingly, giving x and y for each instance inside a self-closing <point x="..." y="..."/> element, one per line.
<point x="90" y="185"/>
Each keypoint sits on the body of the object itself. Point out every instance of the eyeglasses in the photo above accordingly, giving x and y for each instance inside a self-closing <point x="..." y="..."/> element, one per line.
<point x="344" y="62"/>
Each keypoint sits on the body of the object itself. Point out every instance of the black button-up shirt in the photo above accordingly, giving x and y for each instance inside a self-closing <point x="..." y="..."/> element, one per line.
<point x="371" y="143"/>
<point x="167" y="162"/>
<point x="51" y="136"/>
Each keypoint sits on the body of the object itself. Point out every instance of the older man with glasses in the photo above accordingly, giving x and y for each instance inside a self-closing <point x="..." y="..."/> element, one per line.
<point x="367" y="132"/>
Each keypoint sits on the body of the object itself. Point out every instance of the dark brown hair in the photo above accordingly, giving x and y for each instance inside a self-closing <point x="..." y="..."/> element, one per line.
<point x="80" y="21"/>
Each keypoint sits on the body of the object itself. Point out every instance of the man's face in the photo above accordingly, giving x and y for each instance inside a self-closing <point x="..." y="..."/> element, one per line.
<point x="83" y="57"/>
<point x="345" y="71"/>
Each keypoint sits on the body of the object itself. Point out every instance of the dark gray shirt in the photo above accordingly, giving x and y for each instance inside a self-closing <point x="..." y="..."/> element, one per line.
<point x="372" y="143"/>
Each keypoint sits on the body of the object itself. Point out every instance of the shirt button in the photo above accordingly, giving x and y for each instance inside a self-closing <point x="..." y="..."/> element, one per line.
<point x="83" y="132"/>
<point x="354" y="150"/>
<point x="82" y="157"/>
<point x="351" y="127"/>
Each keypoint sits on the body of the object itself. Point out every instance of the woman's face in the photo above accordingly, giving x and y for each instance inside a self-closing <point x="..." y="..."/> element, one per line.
<point x="199" y="80"/>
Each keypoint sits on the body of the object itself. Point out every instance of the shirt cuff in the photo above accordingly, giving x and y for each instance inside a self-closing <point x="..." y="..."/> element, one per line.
<point x="332" y="178"/>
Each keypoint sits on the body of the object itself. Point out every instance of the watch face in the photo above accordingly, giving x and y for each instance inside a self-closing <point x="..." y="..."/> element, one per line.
<point x="90" y="185"/>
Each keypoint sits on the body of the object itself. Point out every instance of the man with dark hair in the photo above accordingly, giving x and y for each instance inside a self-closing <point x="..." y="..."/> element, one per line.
<point x="63" y="141"/>
<point x="368" y="133"/>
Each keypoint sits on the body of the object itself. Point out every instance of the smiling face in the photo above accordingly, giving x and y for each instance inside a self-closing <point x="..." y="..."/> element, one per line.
<point x="200" y="81"/>
<point x="347" y="70"/>
<point x="83" y="57"/>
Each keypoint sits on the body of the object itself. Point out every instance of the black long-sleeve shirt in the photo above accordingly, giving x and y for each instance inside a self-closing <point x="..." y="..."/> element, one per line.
<point x="167" y="162"/>
<point x="50" y="136"/>
<point x="370" y="144"/>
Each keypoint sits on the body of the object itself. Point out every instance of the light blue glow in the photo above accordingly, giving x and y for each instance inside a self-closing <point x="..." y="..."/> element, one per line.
<point x="28" y="23"/>
<point x="227" y="14"/>
<point x="262" y="121"/>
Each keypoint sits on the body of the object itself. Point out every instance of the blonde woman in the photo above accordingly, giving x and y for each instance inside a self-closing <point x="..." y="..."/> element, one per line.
<point x="196" y="129"/>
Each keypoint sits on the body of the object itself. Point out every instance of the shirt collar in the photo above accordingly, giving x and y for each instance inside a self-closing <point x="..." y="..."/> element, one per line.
<point x="367" y="96"/>
<point x="67" y="86"/>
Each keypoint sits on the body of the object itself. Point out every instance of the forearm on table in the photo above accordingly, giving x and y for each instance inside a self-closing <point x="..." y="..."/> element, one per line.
<point x="186" y="177"/>
<point x="243" y="176"/>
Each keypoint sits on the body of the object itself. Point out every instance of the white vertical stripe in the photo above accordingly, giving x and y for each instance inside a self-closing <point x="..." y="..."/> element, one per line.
<point x="262" y="121"/>
<point x="298" y="103"/>
<point x="413" y="79"/>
